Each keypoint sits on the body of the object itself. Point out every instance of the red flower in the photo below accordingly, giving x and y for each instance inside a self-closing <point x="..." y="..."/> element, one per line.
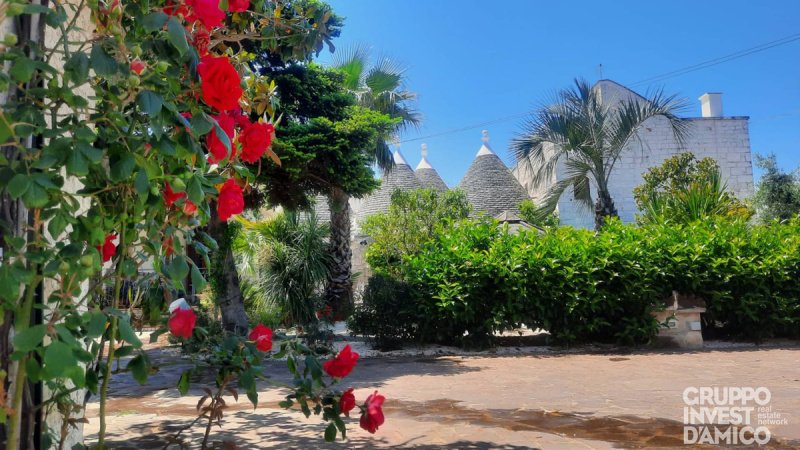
<point x="220" y="83"/>
<point x="201" y="41"/>
<point x="238" y="5"/>
<point x="372" y="416"/>
<point x="137" y="66"/>
<point x="255" y="140"/>
<point x="189" y="208"/>
<point x="181" y="323"/>
<point x="342" y="364"/>
<point x="174" y="10"/>
<point x="207" y="12"/>
<point x="108" y="249"/>
<point x="216" y="149"/>
<point x="171" y="197"/>
<point x="262" y="336"/>
<point x="347" y="402"/>
<point x="230" y="200"/>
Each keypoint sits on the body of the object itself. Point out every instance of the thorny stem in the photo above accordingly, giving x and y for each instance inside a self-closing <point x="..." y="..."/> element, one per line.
<point x="111" y="338"/>
<point x="213" y="405"/>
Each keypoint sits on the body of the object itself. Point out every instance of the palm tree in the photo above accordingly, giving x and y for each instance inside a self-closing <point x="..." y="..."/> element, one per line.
<point x="379" y="87"/>
<point x="588" y="137"/>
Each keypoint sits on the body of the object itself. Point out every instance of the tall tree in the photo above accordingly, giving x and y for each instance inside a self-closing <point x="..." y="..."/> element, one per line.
<point x="778" y="192"/>
<point x="379" y="87"/>
<point x="588" y="136"/>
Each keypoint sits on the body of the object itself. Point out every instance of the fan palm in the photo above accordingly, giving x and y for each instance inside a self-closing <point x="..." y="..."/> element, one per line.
<point x="588" y="138"/>
<point x="379" y="87"/>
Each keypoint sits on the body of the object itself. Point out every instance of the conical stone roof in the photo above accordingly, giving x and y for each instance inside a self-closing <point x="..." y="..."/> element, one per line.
<point x="490" y="186"/>
<point x="401" y="177"/>
<point x="428" y="176"/>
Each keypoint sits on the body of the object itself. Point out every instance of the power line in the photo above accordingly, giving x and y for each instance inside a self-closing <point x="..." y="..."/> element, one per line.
<point x="664" y="76"/>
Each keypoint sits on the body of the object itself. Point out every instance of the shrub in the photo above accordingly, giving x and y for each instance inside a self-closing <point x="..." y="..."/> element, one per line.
<point x="474" y="279"/>
<point x="414" y="218"/>
<point x="385" y="313"/>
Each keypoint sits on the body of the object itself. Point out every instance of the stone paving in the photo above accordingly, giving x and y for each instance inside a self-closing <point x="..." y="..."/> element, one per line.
<point x="551" y="401"/>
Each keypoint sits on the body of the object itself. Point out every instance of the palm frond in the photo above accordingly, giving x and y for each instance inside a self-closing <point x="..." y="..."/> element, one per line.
<point x="353" y="62"/>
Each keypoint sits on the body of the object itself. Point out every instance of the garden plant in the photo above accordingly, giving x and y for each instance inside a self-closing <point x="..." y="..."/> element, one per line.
<point x="122" y="137"/>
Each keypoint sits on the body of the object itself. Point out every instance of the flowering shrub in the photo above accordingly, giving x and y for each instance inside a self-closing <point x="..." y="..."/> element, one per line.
<point x="119" y="144"/>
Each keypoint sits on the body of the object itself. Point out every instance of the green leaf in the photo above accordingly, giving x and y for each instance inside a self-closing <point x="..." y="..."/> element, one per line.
<point x="29" y="339"/>
<point x="202" y="124"/>
<point x="77" y="163"/>
<point x="154" y="21"/>
<point x="198" y="282"/>
<point x="142" y="182"/>
<point x="18" y="185"/>
<point x="58" y="358"/>
<point x="103" y="64"/>
<point x="139" y="367"/>
<point x="177" y="35"/>
<point x="77" y="67"/>
<point x="91" y="152"/>
<point x="123" y="168"/>
<point x="57" y="224"/>
<point x="183" y="382"/>
<point x="150" y="102"/>
<point x="35" y="197"/>
<point x="194" y="190"/>
<point x="330" y="432"/>
<point x="223" y="137"/>
<point x="127" y="334"/>
<point x="97" y="324"/>
<point x="22" y="71"/>
<point x="178" y="268"/>
<point x="285" y="404"/>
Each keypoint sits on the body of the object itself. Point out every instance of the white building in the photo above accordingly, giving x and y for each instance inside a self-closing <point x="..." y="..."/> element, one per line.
<point x="725" y="139"/>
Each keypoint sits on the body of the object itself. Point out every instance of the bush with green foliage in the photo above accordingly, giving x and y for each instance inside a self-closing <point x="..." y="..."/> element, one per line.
<point x="473" y="280"/>
<point x="386" y="312"/>
<point x="684" y="189"/>
<point x="285" y="263"/>
<point x="414" y="218"/>
<point x="529" y="212"/>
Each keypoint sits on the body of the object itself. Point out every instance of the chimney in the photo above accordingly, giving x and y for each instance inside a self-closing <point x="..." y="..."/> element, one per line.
<point x="711" y="104"/>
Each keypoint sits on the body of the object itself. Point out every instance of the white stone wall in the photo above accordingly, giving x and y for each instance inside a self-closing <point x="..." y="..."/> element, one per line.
<point x="725" y="139"/>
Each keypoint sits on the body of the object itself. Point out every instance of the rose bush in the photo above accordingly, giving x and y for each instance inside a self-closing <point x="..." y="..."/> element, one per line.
<point x="118" y="145"/>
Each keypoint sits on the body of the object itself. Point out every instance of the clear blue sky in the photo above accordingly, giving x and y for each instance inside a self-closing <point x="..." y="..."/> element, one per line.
<point x="474" y="61"/>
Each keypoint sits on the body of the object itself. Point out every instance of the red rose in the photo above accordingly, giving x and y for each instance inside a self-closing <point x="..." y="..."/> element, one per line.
<point x="347" y="402"/>
<point x="216" y="149"/>
<point x="230" y="200"/>
<point x="372" y="415"/>
<point x="238" y="5"/>
<point x="342" y="364"/>
<point x="255" y="140"/>
<point x="181" y="323"/>
<point x="201" y="41"/>
<point x="207" y="12"/>
<point x="108" y="249"/>
<point x="171" y="197"/>
<point x="189" y="208"/>
<point x="220" y="83"/>
<point x="137" y="66"/>
<point x="262" y="336"/>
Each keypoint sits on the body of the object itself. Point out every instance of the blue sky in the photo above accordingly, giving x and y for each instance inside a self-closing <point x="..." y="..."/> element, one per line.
<point x="476" y="61"/>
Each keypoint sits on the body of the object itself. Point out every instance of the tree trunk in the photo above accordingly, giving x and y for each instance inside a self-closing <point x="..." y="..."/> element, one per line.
<point x="339" y="288"/>
<point x="225" y="278"/>
<point x="603" y="209"/>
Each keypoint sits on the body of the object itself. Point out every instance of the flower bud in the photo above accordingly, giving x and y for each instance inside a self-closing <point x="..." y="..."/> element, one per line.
<point x="134" y="81"/>
<point x="10" y="39"/>
<point x="87" y="260"/>
<point x="162" y="66"/>
<point x="136" y="50"/>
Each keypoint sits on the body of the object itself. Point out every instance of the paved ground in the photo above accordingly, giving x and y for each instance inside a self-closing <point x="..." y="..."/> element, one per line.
<point x="551" y="401"/>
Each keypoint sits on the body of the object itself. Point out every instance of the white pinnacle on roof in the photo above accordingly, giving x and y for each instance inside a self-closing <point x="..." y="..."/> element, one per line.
<point x="398" y="157"/>
<point x="485" y="149"/>
<point x="423" y="163"/>
<point x="427" y="175"/>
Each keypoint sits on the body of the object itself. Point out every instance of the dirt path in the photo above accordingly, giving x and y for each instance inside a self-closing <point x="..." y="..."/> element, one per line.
<point x="557" y="401"/>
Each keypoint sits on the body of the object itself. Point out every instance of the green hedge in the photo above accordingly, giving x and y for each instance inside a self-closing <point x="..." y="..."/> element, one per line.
<point x="474" y="279"/>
